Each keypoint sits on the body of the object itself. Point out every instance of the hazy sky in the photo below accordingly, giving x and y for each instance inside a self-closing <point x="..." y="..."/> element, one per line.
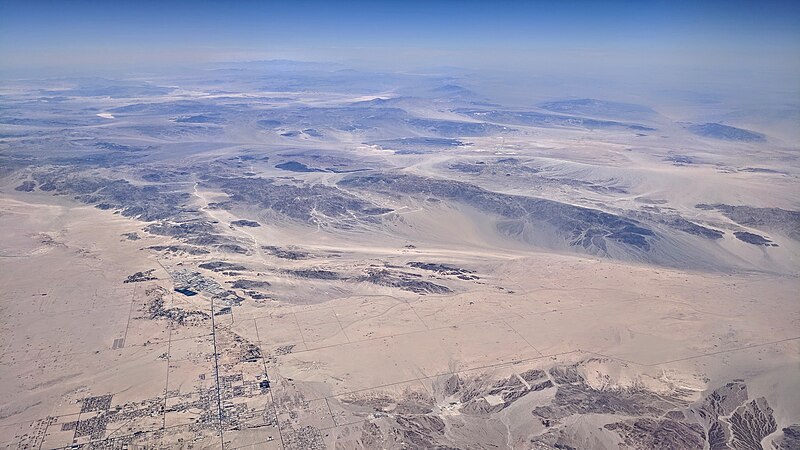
<point x="760" y="38"/>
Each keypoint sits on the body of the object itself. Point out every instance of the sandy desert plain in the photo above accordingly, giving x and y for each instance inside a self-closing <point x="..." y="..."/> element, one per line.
<point x="263" y="266"/>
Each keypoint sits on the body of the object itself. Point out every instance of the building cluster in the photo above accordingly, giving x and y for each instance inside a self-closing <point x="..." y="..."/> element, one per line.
<point x="191" y="283"/>
<point x="305" y="438"/>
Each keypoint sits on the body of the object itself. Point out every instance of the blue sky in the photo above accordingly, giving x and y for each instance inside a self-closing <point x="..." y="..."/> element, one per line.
<point x="517" y="35"/>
